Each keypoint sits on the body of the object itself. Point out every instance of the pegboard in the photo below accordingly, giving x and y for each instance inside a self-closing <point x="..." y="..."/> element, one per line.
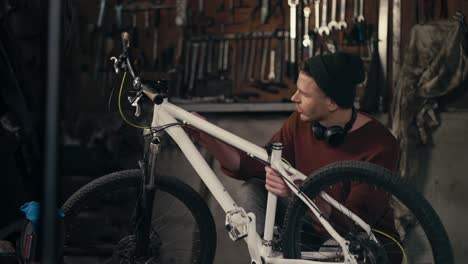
<point x="233" y="20"/>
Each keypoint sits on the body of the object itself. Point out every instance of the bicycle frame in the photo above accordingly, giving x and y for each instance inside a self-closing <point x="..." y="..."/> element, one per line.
<point x="167" y="113"/>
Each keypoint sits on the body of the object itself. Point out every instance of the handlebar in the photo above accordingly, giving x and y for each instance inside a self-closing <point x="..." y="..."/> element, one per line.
<point x="156" y="91"/>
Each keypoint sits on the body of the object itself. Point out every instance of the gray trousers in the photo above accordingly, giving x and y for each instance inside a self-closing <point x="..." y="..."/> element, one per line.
<point x="252" y="196"/>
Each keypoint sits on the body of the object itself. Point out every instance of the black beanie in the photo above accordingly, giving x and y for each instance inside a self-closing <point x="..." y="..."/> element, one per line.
<point x="337" y="75"/>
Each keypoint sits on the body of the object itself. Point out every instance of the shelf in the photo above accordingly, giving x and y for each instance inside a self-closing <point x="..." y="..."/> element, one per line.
<point x="237" y="107"/>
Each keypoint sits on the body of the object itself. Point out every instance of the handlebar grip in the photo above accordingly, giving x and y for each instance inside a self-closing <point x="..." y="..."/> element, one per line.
<point x="125" y="40"/>
<point x="152" y="94"/>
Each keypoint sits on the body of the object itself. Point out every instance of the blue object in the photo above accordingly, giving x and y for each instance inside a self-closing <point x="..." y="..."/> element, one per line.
<point x="32" y="211"/>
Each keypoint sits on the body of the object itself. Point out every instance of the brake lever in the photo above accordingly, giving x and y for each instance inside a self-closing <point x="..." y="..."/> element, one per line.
<point x="135" y="102"/>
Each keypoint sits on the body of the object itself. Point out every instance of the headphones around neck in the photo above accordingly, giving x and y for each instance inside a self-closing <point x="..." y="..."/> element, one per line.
<point x="333" y="135"/>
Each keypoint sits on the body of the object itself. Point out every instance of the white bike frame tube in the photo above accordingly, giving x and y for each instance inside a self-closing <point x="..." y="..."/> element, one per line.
<point x="161" y="117"/>
<point x="270" y="216"/>
<point x="271" y="206"/>
<point x="217" y="132"/>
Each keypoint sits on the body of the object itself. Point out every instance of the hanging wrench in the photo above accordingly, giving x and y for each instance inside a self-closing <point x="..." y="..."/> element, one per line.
<point x="355" y="10"/>
<point x="195" y="47"/>
<point x="253" y="51"/>
<point x="306" y="41"/>
<point x="225" y="59"/>
<point x="317" y="13"/>
<point x="292" y="35"/>
<point x="323" y="27"/>
<point x="201" y="69"/>
<point x="342" y="23"/>
<point x="292" y="24"/>
<point x="271" y="74"/>
<point x="360" y="17"/>
<point x="333" y="24"/>
<point x="181" y="12"/>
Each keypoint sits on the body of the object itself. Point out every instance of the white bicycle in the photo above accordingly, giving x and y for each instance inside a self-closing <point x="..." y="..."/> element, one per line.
<point x="172" y="224"/>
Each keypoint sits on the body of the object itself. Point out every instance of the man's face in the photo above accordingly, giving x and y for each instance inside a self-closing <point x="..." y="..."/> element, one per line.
<point x="311" y="103"/>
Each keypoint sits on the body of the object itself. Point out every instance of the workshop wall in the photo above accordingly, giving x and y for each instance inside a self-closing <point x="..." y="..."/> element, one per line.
<point x="90" y="80"/>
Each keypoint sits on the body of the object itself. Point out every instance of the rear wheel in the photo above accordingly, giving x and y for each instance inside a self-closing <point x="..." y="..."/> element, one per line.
<point x="407" y="228"/>
<point x="100" y="222"/>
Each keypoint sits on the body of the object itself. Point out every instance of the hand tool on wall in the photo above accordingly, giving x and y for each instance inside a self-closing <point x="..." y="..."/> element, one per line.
<point x="286" y="53"/>
<point x="118" y="14"/>
<point x="360" y="17"/>
<point x="299" y="33"/>
<point x="193" y="70"/>
<point x="201" y="7"/>
<point x="100" y="39"/>
<point x="224" y="68"/>
<point x="355" y="10"/>
<point x="342" y="23"/>
<point x="201" y="67"/>
<point x="253" y="48"/>
<point x="292" y="35"/>
<point x="359" y="30"/>
<point x="306" y="42"/>
<point x="317" y="15"/>
<point x="271" y="74"/>
<point x="245" y="56"/>
<point x="214" y="69"/>
<point x="235" y="61"/>
<point x="324" y="27"/>
<point x="181" y="12"/>
<point x="220" y="56"/>
<point x="333" y="24"/>
<point x="264" y="49"/>
<point x="383" y="35"/>
<point x="102" y="13"/>
<point x="147" y="23"/>
<point x="209" y="67"/>
<point x="188" y="46"/>
<point x="264" y="11"/>
<point x="279" y="35"/>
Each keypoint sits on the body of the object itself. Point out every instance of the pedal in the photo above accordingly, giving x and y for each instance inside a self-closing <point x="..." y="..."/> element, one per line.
<point x="237" y="223"/>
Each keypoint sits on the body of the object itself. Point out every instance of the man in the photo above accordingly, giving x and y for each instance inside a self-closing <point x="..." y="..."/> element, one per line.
<point x="324" y="129"/>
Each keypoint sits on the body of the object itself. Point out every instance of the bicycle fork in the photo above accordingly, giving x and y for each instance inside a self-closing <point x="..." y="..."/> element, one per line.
<point x="145" y="203"/>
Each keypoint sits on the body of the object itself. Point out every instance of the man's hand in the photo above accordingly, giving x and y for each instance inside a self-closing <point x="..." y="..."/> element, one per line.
<point x="275" y="183"/>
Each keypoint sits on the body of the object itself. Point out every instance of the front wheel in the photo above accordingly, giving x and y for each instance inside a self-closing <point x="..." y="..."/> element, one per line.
<point x="406" y="227"/>
<point x="100" y="222"/>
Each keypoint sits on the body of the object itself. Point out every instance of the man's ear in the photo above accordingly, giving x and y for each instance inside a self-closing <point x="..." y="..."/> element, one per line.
<point x="331" y="104"/>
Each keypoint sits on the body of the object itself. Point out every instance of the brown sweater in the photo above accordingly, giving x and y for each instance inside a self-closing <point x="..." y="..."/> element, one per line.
<point x="372" y="142"/>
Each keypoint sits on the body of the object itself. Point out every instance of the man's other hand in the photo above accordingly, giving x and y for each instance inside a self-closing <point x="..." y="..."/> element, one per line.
<point x="274" y="183"/>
